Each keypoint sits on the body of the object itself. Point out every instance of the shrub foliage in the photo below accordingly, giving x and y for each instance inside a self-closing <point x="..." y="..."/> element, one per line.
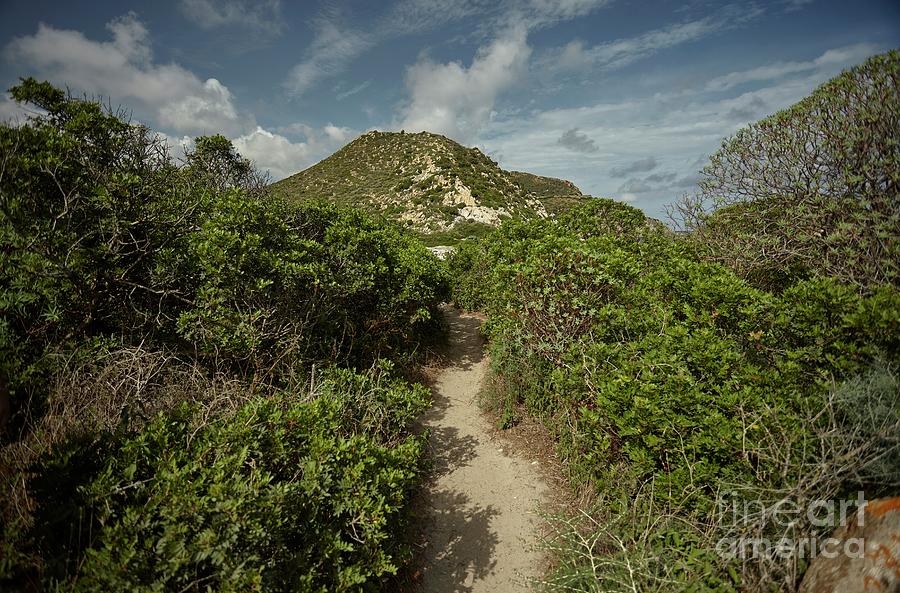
<point x="813" y="189"/>
<point x="125" y="277"/>
<point x="665" y="377"/>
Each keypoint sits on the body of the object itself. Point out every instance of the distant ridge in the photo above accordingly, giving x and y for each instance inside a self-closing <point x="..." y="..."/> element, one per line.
<point x="427" y="182"/>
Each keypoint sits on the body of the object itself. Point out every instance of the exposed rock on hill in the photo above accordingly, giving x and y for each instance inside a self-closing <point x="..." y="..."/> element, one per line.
<point x="426" y="181"/>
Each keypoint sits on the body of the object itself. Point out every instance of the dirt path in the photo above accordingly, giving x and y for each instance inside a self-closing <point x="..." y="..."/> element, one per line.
<point x="479" y="522"/>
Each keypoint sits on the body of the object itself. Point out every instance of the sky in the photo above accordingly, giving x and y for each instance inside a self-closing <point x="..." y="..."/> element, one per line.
<point x="626" y="98"/>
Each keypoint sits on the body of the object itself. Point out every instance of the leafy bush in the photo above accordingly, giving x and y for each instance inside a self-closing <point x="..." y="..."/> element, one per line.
<point x="102" y="235"/>
<point x="287" y="493"/>
<point x="657" y="371"/>
<point x="813" y="189"/>
<point x="160" y="331"/>
<point x="457" y="234"/>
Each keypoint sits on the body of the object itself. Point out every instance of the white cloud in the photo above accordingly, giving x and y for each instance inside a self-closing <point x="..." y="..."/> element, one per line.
<point x="273" y="152"/>
<point x="548" y="12"/>
<point x="341" y="95"/>
<point x="12" y="112"/>
<point x="417" y="16"/>
<point x="281" y="157"/>
<point x="677" y="127"/>
<point x="178" y="147"/>
<point x="262" y="16"/>
<point x="123" y="69"/>
<point x="337" y="134"/>
<point x="621" y="52"/>
<point x="745" y="108"/>
<point x="457" y="101"/>
<point x="331" y="50"/>
<point x="335" y="46"/>
<point x="628" y="197"/>
<point x="212" y="110"/>
<point x="842" y="56"/>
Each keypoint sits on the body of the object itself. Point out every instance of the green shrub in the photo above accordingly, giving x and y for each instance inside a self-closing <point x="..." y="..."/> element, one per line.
<point x="287" y="493"/>
<point x="654" y="367"/>
<point x="811" y="190"/>
<point x="103" y="235"/>
<point x="160" y="331"/>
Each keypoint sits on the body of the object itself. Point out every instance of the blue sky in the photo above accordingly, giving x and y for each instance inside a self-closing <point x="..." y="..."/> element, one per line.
<point x="626" y="98"/>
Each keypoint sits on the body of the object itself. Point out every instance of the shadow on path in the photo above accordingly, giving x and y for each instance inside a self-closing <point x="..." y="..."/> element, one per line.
<point x="473" y="514"/>
<point x="466" y="345"/>
<point x="461" y="549"/>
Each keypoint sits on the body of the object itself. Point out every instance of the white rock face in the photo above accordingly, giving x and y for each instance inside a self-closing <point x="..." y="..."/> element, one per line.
<point x="460" y="193"/>
<point x="491" y="216"/>
<point x="538" y="207"/>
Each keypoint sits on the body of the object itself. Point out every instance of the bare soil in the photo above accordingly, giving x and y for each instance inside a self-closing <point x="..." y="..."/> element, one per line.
<point x="477" y="516"/>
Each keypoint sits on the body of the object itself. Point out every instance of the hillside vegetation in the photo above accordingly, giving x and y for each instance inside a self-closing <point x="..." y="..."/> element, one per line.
<point x="200" y="385"/>
<point x="752" y="362"/>
<point x="203" y="378"/>
<point x="426" y="181"/>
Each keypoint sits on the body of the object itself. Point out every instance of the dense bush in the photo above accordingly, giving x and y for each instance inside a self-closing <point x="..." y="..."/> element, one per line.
<point x="813" y="189"/>
<point x="283" y="494"/>
<point x="163" y="334"/>
<point x="653" y="367"/>
<point x="671" y="379"/>
<point x="103" y="235"/>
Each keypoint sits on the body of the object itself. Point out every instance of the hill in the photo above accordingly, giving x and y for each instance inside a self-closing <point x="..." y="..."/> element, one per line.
<point x="428" y="182"/>
<point x="548" y="187"/>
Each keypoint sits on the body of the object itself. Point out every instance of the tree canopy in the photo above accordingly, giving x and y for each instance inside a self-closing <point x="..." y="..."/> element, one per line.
<point x="813" y="188"/>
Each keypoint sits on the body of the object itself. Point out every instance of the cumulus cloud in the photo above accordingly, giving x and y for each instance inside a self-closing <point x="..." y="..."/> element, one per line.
<point x="577" y="141"/>
<point x="337" y="134"/>
<point x="261" y="16"/>
<point x="457" y="101"/>
<point x="178" y="146"/>
<point x="123" y="69"/>
<point x="209" y="110"/>
<point x="282" y="157"/>
<point x="273" y="152"/>
<point x="638" y="166"/>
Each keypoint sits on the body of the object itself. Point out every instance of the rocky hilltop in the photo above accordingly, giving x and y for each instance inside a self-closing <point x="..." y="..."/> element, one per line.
<point x="426" y="181"/>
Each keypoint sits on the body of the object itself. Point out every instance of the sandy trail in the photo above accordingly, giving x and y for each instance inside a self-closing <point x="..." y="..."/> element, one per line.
<point x="479" y="524"/>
